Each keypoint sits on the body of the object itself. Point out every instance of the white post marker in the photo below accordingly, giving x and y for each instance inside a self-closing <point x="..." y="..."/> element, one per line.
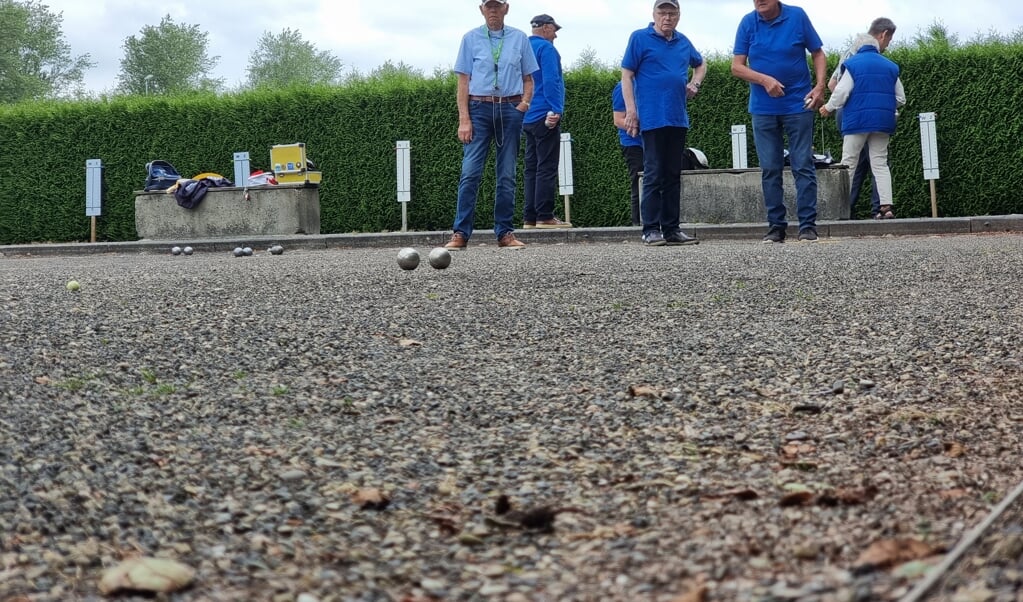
<point x="739" y="151"/>
<point x="402" y="153"/>
<point x="929" y="148"/>
<point x="241" y="169"/>
<point x="565" y="183"/>
<point x="93" y="192"/>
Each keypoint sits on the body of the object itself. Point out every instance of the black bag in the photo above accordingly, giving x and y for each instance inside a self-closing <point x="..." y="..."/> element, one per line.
<point x="693" y="158"/>
<point x="160" y="175"/>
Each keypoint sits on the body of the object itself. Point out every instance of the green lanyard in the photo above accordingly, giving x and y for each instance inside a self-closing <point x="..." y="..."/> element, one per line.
<point x="495" y="52"/>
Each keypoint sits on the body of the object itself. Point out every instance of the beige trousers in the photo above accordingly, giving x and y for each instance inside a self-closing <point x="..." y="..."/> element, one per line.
<point x="877" y="148"/>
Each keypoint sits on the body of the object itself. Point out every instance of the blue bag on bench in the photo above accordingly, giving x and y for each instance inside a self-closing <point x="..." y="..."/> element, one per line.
<point x="160" y="175"/>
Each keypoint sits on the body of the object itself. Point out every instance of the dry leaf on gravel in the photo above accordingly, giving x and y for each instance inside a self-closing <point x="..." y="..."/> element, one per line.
<point x="743" y="495"/>
<point x="889" y="552"/>
<point x="696" y="592"/>
<point x="643" y="391"/>
<point x="794" y="450"/>
<point x="954" y="450"/>
<point x="409" y="343"/>
<point x="537" y="518"/>
<point x="146" y="575"/>
<point x="953" y="494"/>
<point x="370" y="498"/>
<point x="797" y="498"/>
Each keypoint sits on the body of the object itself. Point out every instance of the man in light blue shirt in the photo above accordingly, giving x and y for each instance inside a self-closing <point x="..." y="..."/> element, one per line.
<point x="495" y="86"/>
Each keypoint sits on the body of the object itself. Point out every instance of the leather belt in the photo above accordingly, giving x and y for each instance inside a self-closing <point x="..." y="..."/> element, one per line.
<point x="497" y="99"/>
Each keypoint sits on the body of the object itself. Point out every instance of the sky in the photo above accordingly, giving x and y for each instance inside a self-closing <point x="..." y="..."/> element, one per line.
<point x="364" y="34"/>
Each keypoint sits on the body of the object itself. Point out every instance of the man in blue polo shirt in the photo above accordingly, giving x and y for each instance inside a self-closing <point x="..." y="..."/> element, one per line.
<point x="495" y="86"/>
<point x="542" y="126"/>
<point x="632" y="150"/>
<point x="656" y="86"/>
<point x="770" y="53"/>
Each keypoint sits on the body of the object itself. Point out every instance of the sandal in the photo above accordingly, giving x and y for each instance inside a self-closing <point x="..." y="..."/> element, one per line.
<point x="884" y="212"/>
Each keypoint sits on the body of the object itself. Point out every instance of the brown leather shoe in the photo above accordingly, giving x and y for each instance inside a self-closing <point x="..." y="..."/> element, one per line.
<point x="458" y="242"/>
<point x="552" y="223"/>
<point x="508" y="241"/>
<point x="528" y="225"/>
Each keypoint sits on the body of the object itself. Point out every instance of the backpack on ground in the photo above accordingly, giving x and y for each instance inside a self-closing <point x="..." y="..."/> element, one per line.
<point x="160" y="175"/>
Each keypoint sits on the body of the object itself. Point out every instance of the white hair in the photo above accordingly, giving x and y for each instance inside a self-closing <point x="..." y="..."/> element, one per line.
<point x="864" y="39"/>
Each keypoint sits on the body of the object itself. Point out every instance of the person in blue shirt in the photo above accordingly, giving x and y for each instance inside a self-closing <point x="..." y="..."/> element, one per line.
<point x="770" y="53"/>
<point x="656" y="86"/>
<point x="632" y="150"/>
<point x="542" y="127"/>
<point x="495" y="64"/>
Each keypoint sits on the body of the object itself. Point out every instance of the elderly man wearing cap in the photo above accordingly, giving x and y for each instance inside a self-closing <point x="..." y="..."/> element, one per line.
<point x="542" y="126"/>
<point x="770" y="53"/>
<point x="656" y="86"/>
<point x="495" y="86"/>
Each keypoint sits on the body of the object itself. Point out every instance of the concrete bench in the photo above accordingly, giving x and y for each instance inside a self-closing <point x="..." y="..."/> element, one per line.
<point x="282" y="210"/>
<point x="735" y="196"/>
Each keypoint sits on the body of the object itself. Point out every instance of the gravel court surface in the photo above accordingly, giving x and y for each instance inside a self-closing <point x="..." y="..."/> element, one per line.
<point x="229" y="412"/>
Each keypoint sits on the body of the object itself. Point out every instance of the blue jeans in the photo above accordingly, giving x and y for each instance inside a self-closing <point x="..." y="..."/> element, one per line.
<point x="502" y="124"/>
<point x="769" y="132"/>
<point x="662" y="178"/>
<point x="860" y="174"/>
<point x="543" y="156"/>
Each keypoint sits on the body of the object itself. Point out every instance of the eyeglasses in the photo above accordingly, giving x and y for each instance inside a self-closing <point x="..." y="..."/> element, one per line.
<point x="668" y="14"/>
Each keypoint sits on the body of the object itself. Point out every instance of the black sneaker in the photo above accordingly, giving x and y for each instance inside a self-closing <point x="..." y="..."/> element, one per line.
<point x="653" y="239"/>
<point x="775" y="234"/>
<point x="679" y="237"/>
<point x="808" y="235"/>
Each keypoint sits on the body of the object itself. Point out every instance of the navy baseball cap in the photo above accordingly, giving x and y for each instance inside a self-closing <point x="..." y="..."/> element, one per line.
<point x="541" y="20"/>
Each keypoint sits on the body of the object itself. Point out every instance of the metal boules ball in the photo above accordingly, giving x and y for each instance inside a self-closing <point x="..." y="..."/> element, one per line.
<point x="187" y="250"/>
<point x="408" y="258"/>
<point x="247" y="251"/>
<point x="176" y="251"/>
<point x="276" y="250"/>
<point x="440" y="258"/>
<point x="238" y="252"/>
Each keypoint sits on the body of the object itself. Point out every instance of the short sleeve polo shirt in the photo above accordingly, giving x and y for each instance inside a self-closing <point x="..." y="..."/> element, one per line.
<point x="476" y="58"/>
<point x="778" y="48"/>
<point x="661" y="68"/>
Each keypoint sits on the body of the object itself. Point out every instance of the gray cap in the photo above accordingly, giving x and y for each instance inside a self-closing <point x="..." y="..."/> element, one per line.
<point x="660" y="3"/>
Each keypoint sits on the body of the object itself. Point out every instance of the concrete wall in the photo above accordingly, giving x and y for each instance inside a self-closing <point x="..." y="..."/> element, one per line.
<point x="728" y="196"/>
<point x="282" y="210"/>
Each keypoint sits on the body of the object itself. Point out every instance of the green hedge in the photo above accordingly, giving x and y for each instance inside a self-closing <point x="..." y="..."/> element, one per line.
<point x="350" y="133"/>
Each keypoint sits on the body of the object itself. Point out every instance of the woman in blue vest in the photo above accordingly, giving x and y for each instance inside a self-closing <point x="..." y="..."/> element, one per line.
<point x="869" y="94"/>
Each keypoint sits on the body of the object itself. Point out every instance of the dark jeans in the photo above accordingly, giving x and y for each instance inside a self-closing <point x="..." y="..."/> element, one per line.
<point x="662" y="178"/>
<point x="634" y="161"/>
<point x="543" y="154"/>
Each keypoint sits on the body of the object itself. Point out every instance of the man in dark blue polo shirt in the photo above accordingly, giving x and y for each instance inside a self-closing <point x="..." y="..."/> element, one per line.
<point x="770" y="53"/>
<point x="542" y="126"/>
<point x="632" y="150"/>
<point x="495" y="64"/>
<point x="656" y="86"/>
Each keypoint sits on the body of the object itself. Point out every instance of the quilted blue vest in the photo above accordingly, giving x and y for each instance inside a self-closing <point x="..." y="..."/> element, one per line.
<point x="871" y="106"/>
